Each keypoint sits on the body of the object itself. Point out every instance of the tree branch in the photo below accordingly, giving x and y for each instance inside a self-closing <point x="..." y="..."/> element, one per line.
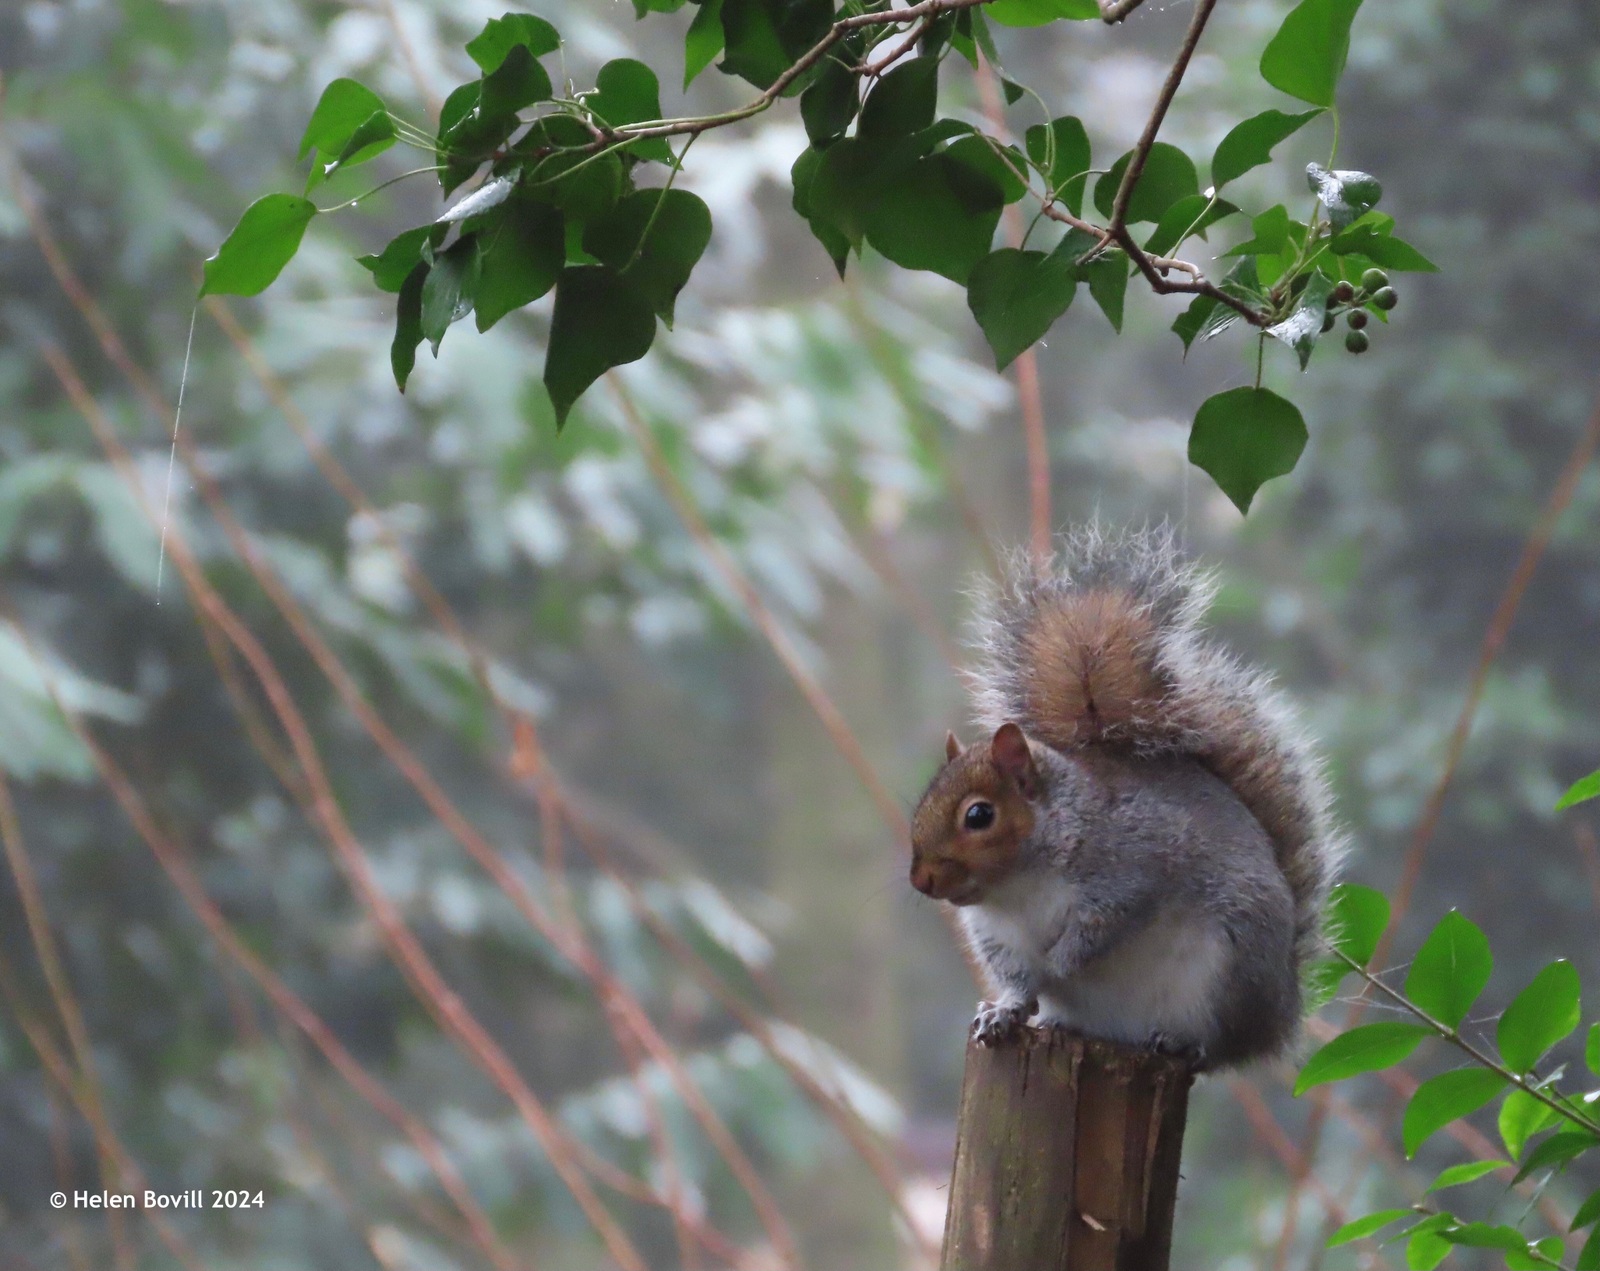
<point x="1141" y="152"/>
<point x="928" y="9"/>
<point x="1113" y="11"/>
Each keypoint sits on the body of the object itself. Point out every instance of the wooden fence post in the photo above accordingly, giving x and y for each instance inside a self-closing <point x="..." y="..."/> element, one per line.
<point x="1067" y="1156"/>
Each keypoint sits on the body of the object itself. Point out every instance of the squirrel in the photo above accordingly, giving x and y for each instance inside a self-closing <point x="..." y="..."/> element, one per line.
<point x="1142" y="848"/>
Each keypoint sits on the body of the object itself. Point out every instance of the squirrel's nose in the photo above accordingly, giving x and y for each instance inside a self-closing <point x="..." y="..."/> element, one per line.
<point x="922" y="877"/>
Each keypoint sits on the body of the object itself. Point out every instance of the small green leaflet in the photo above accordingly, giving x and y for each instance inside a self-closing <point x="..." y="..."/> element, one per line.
<point x="1426" y="1249"/>
<point x="1363" y="1049"/>
<point x="1243" y="438"/>
<point x="1361" y="1228"/>
<point x="1040" y="12"/>
<point x="1357" y="918"/>
<point x="1591" y="1050"/>
<point x="1249" y="145"/>
<point x="828" y="106"/>
<point x="262" y="243"/>
<point x="1521" y="1117"/>
<point x="1555" y="1151"/>
<point x="1306" y="57"/>
<point x="1582" y="791"/>
<point x="1382" y="249"/>
<point x="1588" y="1212"/>
<point x="1539" y="1016"/>
<point x="1470" y="1172"/>
<point x="1446" y="1098"/>
<point x="1450" y="970"/>
<point x="1017" y="295"/>
<point x="601" y="320"/>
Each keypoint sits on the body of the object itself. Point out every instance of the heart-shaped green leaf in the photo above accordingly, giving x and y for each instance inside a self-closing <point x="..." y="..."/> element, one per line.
<point x="514" y="30"/>
<point x="261" y="244"/>
<point x="1306" y="57"/>
<point x="1168" y="176"/>
<point x="1249" y="145"/>
<point x="521" y="257"/>
<point x="1017" y="295"/>
<point x="629" y="93"/>
<point x="653" y="238"/>
<point x="344" y="105"/>
<point x="1245" y="437"/>
<point x="601" y="320"/>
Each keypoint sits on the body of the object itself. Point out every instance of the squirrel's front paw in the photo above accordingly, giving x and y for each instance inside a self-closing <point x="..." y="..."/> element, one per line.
<point x="1000" y="1021"/>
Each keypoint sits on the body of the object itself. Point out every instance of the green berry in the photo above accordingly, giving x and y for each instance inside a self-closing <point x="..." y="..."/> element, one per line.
<point x="1373" y="279"/>
<point x="1386" y="297"/>
<point x="1357" y="318"/>
<point x="1356" y="341"/>
<point x="1344" y="293"/>
<point x="1328" y="320"/>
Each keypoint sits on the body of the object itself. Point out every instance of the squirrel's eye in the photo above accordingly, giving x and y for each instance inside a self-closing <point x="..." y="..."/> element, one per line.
<point x="980" y="816"/>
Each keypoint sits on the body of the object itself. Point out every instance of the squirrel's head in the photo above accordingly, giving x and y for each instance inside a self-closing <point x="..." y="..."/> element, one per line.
<point x="967" y="832"/>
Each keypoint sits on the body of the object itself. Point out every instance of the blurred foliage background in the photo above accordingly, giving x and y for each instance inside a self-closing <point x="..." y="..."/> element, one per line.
<point x="674" y="829"/>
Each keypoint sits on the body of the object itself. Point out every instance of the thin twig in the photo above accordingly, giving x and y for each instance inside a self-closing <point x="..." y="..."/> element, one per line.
<point x="1454" y="1037"/>
<point x="808" y="59"/>
<point x="1141" y="152"/>
<point x="1114" y="11"/>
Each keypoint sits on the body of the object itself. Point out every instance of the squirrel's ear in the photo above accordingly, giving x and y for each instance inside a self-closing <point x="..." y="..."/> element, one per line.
<point x="952" y="746"/>
<point x="1010" y="753"/>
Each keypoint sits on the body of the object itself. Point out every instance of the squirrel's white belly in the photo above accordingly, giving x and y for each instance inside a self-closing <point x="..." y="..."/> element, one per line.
<point x="1164" y="980"/>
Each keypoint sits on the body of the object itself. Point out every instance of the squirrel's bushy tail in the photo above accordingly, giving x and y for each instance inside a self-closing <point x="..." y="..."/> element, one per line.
<point x="1102" y="646"/>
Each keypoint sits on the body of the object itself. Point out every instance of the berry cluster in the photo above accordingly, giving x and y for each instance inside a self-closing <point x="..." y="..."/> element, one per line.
<point x="1346" y="299"/>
